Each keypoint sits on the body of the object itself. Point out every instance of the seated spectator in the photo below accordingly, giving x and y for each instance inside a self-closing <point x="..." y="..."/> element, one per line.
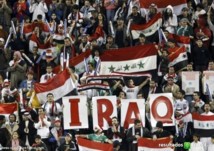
<point x="142" y="40"/>
<point x="180" y="102"/>
<point x="134" y="133"/>
<point x="39" y="144"/>
<point x="110" y="44"/>
<point x="97" y="136"/>
<point x="15" y="143"/>
<point x="196" y="144"/>
<point x="171" y="87"/>
<point x="211" y="145"/>
<point x="49" y="74"/>
<point x="197" y="104"/>
<point x="68" y="144"/>
<point x="160" y="132"/>
<point x="12" y="124"/>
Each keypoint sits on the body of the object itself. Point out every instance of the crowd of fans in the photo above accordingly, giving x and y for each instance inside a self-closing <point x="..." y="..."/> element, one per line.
<point x="77" y="26"/>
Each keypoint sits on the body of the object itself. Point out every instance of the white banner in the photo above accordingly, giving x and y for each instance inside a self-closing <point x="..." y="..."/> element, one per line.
<point x="162" y="109"/>
<point x="130" y="110"/>
<point x="75" y="112"/>
<point x="190" y="82"/>
<point x="208" y="82"/>
<point x="104" y="108"/>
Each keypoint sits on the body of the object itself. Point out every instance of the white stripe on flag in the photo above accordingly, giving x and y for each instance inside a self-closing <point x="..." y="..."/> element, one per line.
<point x="134" y="65"/>
<point x="206" y="125"/>
<point x="180" y="58"/>
<point x="82" y="148"/>
<point x="149" y="31"/>
<point x="58" y="92"/>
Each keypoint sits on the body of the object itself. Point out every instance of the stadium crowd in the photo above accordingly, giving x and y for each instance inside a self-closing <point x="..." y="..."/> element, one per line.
<point x="77" y="26"/>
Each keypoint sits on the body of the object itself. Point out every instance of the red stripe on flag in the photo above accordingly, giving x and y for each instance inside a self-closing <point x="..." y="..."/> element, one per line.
<point x="150" y="143"/>
<point x="161" y="3"/>
<point x="176" y="52"/>
<point x="181" y="39"/>
<point x="129" y="53"/>
<point x="147" y="25"/>
<point x="198" y="117"/>
<point x="76" y="60"/>
<point x="53" y="83"/>
<point x="8" y="108"/>
<point x="94" y="145"/>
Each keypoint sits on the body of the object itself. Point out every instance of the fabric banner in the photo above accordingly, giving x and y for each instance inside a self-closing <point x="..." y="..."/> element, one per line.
<point x="132" y="109"/>
<point x="161" y="5"/>
<point x="162" y="144"/>
<point x="8" y="108"/>
<point x="183" y="41"/>
<point x="60" y="85"/>
<point x="162" y="109"/>
<point x="190" y="82"/>
<point x="147" y="29"/>
<point x="178" y="58"/>
<point x="77" y="108"/>
<point x="104" y="108"/>
<point x="87" y="145"/>
<point x="90" y="86"/>
<point x="208" y="82"/>
<point x="203" y="124"/>
<point x="129" y="60"/>
<point x="78" y="62"/>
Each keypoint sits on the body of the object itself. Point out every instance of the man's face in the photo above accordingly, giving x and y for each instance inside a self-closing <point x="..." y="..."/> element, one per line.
<point x="50" y="98"/>
<point x="67" y="42"/>
<point x="114" y="122"/>
<point x="138" y="126"/>
<point x="12" y="118"/>
<point x="152" y="84"/>
<point x="49" y="69"/>
<point x="37" y="140"/>
<point x="207" y="107"/>
<point x="189" y="67"/>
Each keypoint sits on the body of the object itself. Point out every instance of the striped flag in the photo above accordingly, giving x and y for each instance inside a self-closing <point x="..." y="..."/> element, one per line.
<point x="60" y="85"/>
<point x="129" y="60"/>
<point x="178" y="58"/>
<point x="149" y="29"/>
<point x="8" y="108"/>
<point x="162" y="4"/>
<point x="88" y="145"/>
<point x="203" y="124"/>
<point x="161" y="144"/>
<point x="183" y="41"/>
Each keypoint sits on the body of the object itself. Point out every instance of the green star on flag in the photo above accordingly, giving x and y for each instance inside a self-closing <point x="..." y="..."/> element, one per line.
<point x="111" y="69"/>
<point x="126" y="67"/>
<point x="141" y="65"/>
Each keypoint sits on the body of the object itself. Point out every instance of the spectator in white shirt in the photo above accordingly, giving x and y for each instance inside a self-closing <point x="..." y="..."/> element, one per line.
<point x="196" y="145"/>
<point x="211" y="145"/>
<point x="38" y="7"/>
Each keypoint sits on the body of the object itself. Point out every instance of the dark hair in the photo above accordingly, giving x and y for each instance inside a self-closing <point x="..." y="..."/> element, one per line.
<point x="136" y="121"/>
<point x="13" y="115"/>
<point x="182" y="92"/>
<point x="50" y="94"/>
<point x="198" y="93"/>
<point x="37" y="137"/>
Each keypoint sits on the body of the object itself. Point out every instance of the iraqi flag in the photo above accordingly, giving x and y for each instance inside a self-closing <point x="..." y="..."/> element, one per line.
<point x="203" y="124"/>
<point x="60" y="85"/>
<point x="88" y="145"/>
<point x="162" y="4"/>
<point x="129" y="60"/>
<point x="178" y="58"/>
<point x="183" y="41"/>
<point x="149" y="29"/>
<point x="78" y="62"/>
<point x="162" y="144"/>
<point x="8" y="108"/>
